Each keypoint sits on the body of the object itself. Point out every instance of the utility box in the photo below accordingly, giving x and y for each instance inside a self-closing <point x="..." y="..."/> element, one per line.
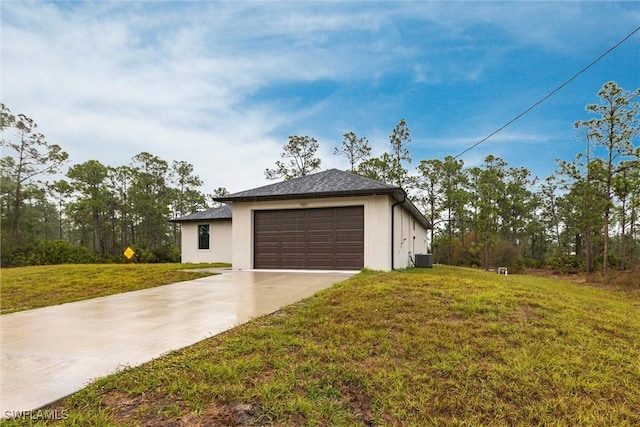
<point x="424" y="260"/>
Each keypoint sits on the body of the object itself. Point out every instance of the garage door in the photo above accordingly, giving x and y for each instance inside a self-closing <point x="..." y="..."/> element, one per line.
<point x="316" y="239"/>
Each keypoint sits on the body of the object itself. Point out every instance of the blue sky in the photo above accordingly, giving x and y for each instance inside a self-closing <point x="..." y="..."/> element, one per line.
<point x="222" y="85"/>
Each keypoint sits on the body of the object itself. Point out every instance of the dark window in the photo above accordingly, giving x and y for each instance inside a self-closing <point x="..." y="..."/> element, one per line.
<point x="203" y="236"/>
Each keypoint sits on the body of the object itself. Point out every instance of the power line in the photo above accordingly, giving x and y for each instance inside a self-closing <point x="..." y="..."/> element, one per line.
<point x="550" y="94"/>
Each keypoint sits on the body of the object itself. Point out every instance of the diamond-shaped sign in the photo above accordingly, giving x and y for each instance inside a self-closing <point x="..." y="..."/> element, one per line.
<point x="129" y="252"/>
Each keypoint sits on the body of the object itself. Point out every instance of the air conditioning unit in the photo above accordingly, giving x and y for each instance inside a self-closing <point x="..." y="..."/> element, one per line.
<point x="424" y="260"/>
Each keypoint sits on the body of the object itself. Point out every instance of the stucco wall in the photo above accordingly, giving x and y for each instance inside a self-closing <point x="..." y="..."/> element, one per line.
<point x="377" y="227"/>
<point x="410" y="238"/>
<point x="220" y="243"/>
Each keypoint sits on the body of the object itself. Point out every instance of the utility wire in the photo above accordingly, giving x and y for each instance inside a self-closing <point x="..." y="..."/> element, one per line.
<point x="550" y="94"/>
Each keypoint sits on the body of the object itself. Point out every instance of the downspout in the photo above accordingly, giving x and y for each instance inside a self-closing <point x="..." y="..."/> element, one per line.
<point x="412" y="258"/>
<point x="404" y="199"/>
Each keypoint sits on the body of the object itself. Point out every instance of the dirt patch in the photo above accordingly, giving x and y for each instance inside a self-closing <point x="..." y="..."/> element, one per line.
<point x="526" y="313"/>
<point x="155" y="409"/>
<point x="359" y="402"/>
<point x="246" y="414"/>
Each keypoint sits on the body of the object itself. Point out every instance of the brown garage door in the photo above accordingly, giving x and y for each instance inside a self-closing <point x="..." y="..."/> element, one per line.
<point x="317" y="239"/>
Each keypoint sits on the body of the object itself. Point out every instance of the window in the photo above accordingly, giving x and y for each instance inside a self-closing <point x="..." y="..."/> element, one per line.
<point x="203" y="236"/>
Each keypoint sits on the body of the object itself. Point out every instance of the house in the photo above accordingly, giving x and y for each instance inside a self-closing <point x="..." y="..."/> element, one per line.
<point x="331" y="220"/>
<point x="206" y="235"/>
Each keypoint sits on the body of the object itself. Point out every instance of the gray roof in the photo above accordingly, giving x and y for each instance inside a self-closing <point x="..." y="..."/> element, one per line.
<point x="216" y="214"/>
<point x="329" y="183"/>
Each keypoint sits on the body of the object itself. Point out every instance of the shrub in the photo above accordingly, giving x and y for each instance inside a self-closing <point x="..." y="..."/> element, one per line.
<point x="566" y="264"/>
<point x="143" y="254"/>
<point x="167" y="253"/>
<point x="49" y="252"/>
<point x="614" y="261"/>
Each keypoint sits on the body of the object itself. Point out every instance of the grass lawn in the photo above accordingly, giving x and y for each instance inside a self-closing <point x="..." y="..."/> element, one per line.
<point x="444" y="346"/>
<point x="24" y="288"/>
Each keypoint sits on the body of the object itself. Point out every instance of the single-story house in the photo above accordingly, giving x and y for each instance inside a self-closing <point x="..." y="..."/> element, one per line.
<point x="206" y="235"/>
<point x="331" y="220"/>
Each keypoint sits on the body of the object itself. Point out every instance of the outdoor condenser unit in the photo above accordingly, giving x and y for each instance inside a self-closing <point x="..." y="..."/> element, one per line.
<point x="424" y="260"/>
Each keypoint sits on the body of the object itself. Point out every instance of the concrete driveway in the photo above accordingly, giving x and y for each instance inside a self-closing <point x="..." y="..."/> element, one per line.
<point x="51" y="352"/>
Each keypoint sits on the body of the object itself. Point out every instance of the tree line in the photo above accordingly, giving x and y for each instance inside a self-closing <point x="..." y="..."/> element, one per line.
<point x="97" y="211"/>
<point x="584" y="217"/>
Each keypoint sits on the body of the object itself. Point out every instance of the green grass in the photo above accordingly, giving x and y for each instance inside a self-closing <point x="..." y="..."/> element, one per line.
<point x="444" y="347"/>
<point x="24" y="288"/>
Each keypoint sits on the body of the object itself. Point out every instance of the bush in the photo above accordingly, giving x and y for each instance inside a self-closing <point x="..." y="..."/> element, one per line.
<point x="167" y="253"/>
<point x="614" y="261"/>
<point x="48" y="252"/>
<point x="143" y="255"/>
<point x="566" y="264"/>
<point x="114" y="259"/>
<point x="51" y="252"/>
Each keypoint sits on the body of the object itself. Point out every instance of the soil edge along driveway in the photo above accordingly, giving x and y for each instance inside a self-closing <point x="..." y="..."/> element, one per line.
<point x="51" y="352"/>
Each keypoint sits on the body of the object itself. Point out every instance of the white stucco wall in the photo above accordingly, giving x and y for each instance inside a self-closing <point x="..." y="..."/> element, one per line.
<point x="377" y="229"/>
<point x="220" y="243"/>
<point x="410" y="238"/>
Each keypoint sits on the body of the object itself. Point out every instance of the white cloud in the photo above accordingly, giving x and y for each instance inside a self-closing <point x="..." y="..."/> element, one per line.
<point x="107" y="80"/>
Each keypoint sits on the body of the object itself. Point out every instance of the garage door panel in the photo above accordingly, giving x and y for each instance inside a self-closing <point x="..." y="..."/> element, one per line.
<point x="350" y="224"/>
<point x="347" y="263"/>
<point x="348" y="249"/>
<point x="271" y="244"/>
<point x="320" y="237"/>
<point x="325" y="238"/>
<point x="348" y="236"/>
<point x="270" y="228"/>
<point x="292" y="238"/>
<point x="321" y="251"/>
<point x="294" y="263"/>
<point x="325" y="227"/>
<point x="269" y="262"/>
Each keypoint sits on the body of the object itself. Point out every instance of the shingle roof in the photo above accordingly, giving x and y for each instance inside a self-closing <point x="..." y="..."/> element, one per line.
<point x="221" y="213"/>
<point x="329" y="183"/>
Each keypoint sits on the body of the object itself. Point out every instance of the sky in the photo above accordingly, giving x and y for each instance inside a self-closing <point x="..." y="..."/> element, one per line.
<point x="223" y="84"/>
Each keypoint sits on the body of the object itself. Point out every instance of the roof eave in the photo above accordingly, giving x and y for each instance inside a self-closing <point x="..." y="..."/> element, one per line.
<point x="179" y="220"/>
<point x="319" y="195"/>
<point x="397" y="193"/>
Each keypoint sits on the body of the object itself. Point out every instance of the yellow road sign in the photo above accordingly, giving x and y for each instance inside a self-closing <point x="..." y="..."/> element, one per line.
<point x="129" y="252"/>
